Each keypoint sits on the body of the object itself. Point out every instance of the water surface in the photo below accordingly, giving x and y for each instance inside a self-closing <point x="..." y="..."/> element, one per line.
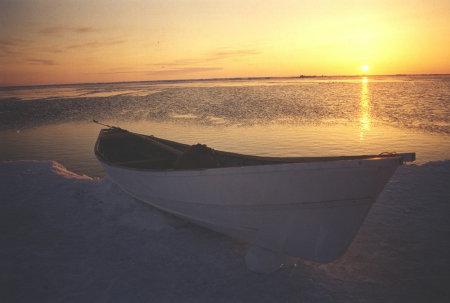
<point x="275" y="117"/>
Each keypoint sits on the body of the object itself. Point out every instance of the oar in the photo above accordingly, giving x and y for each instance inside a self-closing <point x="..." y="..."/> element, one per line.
<point x="115" y="127"/>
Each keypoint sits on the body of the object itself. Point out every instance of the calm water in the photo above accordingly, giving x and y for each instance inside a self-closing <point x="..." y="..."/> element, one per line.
<point x="279" y="117"/>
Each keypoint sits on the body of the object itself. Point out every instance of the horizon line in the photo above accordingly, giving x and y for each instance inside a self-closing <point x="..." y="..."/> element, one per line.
<point x="219" y="79"/>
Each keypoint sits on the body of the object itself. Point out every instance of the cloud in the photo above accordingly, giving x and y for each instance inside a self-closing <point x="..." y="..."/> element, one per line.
<point x="212" y="56"/>
<point x="172" y="71"/>
<point x="52" y="50"/>
<point x="53" y="30"/>
<point x="186" y="70"/>
<point x="181" y="62"/>
<point x="193" y="65"/>
<point x="87" y="29"/>
<point x="58" y="30"/>
<point x="9" y="52"/>
<point x="94" y="44"/>
<point x="14" y="46"/>
<point x="36" y="61"/>
<point x="117" y="72"/>
<point x="15" y="42"/>
<point x="228" y="53"/>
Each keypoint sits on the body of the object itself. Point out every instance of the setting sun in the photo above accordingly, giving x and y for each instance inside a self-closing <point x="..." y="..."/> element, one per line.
<point x="365" y="68"/>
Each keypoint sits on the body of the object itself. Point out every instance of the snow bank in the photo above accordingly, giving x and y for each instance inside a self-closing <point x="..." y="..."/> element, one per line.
<point x="71" y="238"/>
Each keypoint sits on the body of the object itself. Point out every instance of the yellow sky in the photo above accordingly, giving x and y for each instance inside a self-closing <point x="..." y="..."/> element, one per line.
<point x="56" y="41"/>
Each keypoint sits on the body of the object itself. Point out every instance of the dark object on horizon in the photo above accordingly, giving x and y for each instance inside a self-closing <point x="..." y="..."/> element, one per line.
<point x="303" y="76"/>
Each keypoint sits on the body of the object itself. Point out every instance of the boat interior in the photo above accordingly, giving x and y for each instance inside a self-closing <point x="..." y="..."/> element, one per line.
<point x="120" y="147"/>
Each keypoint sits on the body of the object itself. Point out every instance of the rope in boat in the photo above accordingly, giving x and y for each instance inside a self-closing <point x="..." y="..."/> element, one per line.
<point x="387" y="154"/>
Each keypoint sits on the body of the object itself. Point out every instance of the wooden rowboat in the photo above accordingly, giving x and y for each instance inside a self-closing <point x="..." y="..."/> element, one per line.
<point x="305" y="207"/>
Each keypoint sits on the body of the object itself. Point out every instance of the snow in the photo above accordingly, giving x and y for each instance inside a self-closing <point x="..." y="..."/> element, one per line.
<point x="261" y="260"/>
<point x="71" y="238"/>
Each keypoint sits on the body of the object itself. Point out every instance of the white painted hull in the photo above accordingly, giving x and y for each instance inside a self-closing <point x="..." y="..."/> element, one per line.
<point x="306" y="210"/>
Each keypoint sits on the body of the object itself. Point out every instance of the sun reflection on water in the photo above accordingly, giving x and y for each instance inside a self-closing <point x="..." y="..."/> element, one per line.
<point x="364" y="118"/>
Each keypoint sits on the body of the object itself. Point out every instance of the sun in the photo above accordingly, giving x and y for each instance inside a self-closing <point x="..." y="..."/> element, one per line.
<point x="365" y="68"/>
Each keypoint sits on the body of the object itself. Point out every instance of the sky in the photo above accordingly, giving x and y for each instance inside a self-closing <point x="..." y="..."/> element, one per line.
<point x="82" y="41"/>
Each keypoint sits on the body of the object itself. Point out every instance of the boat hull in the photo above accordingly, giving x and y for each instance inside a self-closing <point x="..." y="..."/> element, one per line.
<point x="306" y="210"/>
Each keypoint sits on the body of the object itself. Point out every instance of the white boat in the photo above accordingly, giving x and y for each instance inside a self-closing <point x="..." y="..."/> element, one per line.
<point x="305" y="207"/>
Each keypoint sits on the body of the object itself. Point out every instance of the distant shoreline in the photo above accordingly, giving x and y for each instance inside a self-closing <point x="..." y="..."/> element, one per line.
<point x="218" y="79"/>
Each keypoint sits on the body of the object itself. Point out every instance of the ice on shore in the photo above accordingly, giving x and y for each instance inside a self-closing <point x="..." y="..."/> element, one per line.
<point x="71" y="238"/>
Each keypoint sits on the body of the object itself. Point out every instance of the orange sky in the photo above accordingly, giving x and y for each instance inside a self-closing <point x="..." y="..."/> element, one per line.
<point x="46" y="42"/>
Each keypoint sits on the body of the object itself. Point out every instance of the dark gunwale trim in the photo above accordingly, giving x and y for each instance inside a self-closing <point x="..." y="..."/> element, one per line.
<point x="404" y="157"/>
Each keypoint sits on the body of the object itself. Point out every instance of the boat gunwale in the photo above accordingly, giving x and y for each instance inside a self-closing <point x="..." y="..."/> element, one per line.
<point x="285" y="163"/>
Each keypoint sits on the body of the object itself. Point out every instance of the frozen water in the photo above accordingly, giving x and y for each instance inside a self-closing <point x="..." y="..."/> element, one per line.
<point x="264" y="261"/>
<point x="71" y="238"/>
